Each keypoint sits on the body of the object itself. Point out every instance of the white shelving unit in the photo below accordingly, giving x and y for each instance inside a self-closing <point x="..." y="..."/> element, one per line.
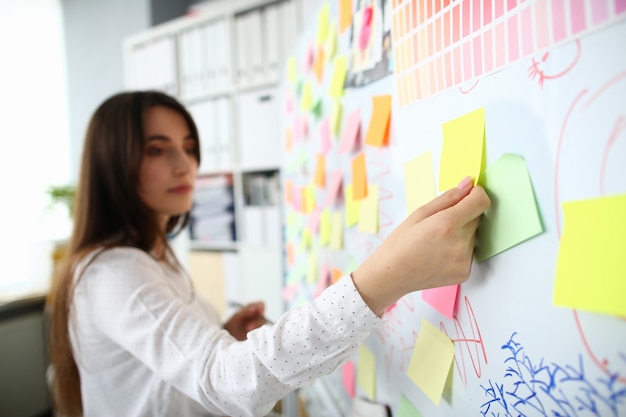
<point x="223" y="61"/>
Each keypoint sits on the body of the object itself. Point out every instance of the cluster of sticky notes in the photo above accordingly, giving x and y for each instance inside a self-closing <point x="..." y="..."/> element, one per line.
<point x="322" y="198"/>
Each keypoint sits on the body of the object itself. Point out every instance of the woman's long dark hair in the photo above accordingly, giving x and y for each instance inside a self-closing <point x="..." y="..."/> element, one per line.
<point x="108" y="212"/>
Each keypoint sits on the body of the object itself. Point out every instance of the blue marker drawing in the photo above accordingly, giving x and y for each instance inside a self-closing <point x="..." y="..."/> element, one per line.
<point x="551" y="390"/>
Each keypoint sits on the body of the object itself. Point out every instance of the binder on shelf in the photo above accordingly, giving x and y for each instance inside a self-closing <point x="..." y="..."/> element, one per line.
<point x="259" y="137"/>
<point x="288" y="29"/>
<point x="256" y="48"/>
<point x="223" y="132"/>
<point x="208" y="61"/>
<point x="204" y="115"/>
<point x="271" y="41"/>
<point x="222" y="48"/>
<point x="243" y="62"/>
<point x="212" y="213"/>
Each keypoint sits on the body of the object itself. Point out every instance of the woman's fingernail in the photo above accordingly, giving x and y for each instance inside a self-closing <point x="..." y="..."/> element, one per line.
<point x="464" y="183"/>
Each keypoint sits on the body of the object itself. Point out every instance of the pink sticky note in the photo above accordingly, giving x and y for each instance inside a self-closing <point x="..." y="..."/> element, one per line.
<point x="322" y="282"/>
<point x="334" y="187"/>
<point x="289" y="292"/>
<point x="314" y="221"/>
<point x="348" y="377"/>
<point x="325" y="137"/>
<point x="289" y="103"/>
<point x="297" y="198"/>
<point x="442" y="298"/>
<point x="310" y="57"/>
<point x="351" y="133"/>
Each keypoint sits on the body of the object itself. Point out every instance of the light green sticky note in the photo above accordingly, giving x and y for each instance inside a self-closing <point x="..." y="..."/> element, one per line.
<point x="419" y="181"/>
<point x="296" y="273"/>
<point x="336" y="233"/>
<point x="306" y="100"/>
<point x="325" y="227"/>
<point x="590" y="271"/>
<point x="368" y="212"/>
<point x="317" y="109"/>
<point x="340" y="64"/>
<point x="406" y="409"/>
<point x="513" y="216"/>
<point x="366" y="371"/>
<point x="351" y="206"/>
<point x="431" y="360"/>
<point x="323" y="19"/>
<point x="462" y="151"/>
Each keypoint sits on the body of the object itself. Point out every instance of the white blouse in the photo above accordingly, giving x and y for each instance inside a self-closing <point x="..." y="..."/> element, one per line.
<point x="146" y="346"/>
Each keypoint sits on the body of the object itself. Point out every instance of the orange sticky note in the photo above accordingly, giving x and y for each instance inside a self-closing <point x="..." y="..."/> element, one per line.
<point x="345" y="14"/>
<point x="359" y="177"/>
<point x="320" y="171"/>
<point x="337" y="274"/>
<point x="291" y="256"/>
<point x="288" y="191"/>
<point x="288" y="140"/>
<point x="378" y="130"/>
<point x="318" y="64"/>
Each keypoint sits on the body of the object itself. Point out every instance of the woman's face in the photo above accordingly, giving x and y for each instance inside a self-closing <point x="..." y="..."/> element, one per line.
<point x="168" y="166"/>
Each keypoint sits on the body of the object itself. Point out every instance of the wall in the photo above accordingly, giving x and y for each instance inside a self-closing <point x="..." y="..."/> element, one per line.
<point x="94" y="32"/>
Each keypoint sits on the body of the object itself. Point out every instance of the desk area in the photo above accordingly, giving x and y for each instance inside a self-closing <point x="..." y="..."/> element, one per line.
<point x="23" y="361"/>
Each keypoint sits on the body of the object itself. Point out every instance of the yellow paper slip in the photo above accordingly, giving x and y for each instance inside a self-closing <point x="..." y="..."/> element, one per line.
<point x="462" y="151"/>
<point x="366" y="371"/>
<point x="431" y="361"/>
<point x="591" y="272"/>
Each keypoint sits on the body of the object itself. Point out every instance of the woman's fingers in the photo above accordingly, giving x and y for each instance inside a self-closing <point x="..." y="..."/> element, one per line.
<point x="444" y="201"/>
<point x="470" y="208"/>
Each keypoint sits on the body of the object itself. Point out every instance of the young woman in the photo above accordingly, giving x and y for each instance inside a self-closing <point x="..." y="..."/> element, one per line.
<point x="129" y="338"/>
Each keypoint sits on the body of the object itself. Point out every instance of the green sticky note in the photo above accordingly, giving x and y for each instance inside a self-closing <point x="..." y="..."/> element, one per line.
<point x="462" y="151"/>
<point x="590" y="271"/>
<point x="406" y="409"/>
<point x="513" y="216"/>
<point x="431" y="360"/>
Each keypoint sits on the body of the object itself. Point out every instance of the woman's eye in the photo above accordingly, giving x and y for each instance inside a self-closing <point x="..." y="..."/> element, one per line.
<point x="191" y="151"/>
<point x="154" y="151"/>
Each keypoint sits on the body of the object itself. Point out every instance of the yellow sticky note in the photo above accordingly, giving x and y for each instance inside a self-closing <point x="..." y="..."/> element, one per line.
<point x="366" y="371"/>
<point x="336" y="231"/>
<point x="590" y="271"/>
<point x="292" y="69"/>
<point x="309" y="200"/>
<point x="323" y="19"/>
<point x="368" y="212"/>
<point x="359" y="177"/>
<point x="325" y="227"/>
<point x="345" y="14"/>
<point x="431" y="360"/>
<point x="305" y="241"/>
<point x="351" y="205"/>
<point x="419" y="181"/>
<point x="462" y="151"/>
<point x="378" y="130"/>
<point x="330" y="44"/>
<point x="335" y="116"/>
<point x="306" y="100"/>
<point x="340" y="64"/>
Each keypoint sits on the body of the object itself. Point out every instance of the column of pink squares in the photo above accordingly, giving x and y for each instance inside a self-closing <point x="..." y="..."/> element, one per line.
<point x="439" y="44"/>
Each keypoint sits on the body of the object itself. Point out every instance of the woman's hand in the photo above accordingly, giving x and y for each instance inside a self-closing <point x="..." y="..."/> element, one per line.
<point x="432" y="247"/>
<point x="248" y="318"/>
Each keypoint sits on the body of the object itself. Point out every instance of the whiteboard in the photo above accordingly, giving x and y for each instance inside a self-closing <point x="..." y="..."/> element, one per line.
<point x="563" y="110"/>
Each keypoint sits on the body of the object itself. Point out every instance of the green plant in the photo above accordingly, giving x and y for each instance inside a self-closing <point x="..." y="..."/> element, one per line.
<point x="62" y="194"/>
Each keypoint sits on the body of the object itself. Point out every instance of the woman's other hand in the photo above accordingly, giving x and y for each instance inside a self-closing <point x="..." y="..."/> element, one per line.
<point x="248" y="318"/>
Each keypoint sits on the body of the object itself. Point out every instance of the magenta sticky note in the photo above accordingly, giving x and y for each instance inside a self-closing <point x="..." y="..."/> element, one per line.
<point x="351" y="132"/>
<point x="348" y="377"/>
